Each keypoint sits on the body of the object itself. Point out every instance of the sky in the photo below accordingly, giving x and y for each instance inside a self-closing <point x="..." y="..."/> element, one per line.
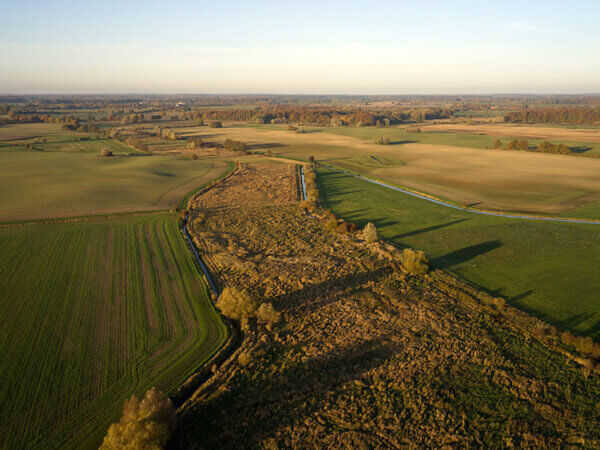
<point x="304" y="47"/>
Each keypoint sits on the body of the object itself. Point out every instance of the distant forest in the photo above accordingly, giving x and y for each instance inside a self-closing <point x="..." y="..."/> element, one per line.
<point x="570" y="116"/>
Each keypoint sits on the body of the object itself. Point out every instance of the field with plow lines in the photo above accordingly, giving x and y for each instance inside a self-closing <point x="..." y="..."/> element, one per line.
<point x="94" y="311"/>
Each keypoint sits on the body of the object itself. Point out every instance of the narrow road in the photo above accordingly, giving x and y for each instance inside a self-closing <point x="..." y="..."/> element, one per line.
<point x="474" y="211"/>
<point x="303" y="183"/>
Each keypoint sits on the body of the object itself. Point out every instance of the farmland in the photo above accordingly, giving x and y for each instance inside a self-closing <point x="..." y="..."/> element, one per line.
<point x="94" y="311"/>
<point x="51" y="184"/>
<point x="460" y="171"/>
<point x="548" y="269"/>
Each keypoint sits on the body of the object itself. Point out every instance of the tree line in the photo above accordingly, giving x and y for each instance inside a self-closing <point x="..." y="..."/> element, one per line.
<point x="570" y="116"/>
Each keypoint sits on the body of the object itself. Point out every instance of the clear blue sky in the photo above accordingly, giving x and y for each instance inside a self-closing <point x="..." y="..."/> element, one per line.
<point x="346" y="47"/>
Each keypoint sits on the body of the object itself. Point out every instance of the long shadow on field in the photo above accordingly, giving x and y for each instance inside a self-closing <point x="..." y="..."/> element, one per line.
<point x="252" y="408"/>
<point x="305" y="297"/>
<point x="465" y="254"/>
<point x="580" y="149"/>
<point x="427" y="229"/>
<point x="406" y="141"/>
<point x="266" y="145"/>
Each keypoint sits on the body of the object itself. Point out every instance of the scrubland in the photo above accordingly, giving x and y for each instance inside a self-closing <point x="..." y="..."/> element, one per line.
<point x="367" y="355"/>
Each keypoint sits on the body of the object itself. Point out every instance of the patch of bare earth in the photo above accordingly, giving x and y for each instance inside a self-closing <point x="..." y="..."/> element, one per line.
<point x="367" y="355"/>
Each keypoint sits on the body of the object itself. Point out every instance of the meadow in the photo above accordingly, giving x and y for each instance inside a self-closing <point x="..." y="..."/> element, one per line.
<point x="51" y="184"/>
<point x="93" y="312"/>
<point x="547" y="269"/>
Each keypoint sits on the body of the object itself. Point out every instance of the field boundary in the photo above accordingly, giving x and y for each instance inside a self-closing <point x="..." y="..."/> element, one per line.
<point x="436" y="200"/>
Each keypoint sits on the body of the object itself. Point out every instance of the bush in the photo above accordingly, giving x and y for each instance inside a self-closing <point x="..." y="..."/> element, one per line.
<point x="236" y="304"/>
<point x="369" y="233"/>
<point x="311" y="159"/>
<point x="237" y="146"/>
<point x="413" y="130"/>
<point x="331" y="225"/>
<point x="143" y="424"/>
<point x="266" y="313"/>
<point x="497" y="144"/>
<point x="414" y="261"/>
<point x="291" y="128"/>
<point x="106" y="152"/>
<point x="382" y="141"/>
<point x="215" y="124"/>
<point x="300" y="131"/>
<point x="346" y="228"/>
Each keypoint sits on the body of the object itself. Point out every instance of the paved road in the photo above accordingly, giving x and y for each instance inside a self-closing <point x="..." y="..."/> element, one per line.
<point x="474" y="211"/>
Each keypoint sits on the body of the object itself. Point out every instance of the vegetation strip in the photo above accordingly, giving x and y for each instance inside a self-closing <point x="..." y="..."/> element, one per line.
<point x="471" y="210"/>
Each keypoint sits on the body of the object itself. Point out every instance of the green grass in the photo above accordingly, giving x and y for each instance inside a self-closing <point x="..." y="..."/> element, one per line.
<point x="36" y="184"/>
<point x="548" y="269"/>
<point x="93" y="312"/>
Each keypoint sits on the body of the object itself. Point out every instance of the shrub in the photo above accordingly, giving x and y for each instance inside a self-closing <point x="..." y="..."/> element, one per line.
<point x="414" y="261"/>
<point x="331" y="225"/>
<point x="266" y="313"/>
<point x="413" y="130"/>
<point x="215" y="124"/>
<point x="382" y="140"/>
<point x="497" y="143"/>
<point x="236" y="304"/>
<point x="300" y="131"/>
<point x="311" y="159"/>
<point x="291" y="128"/>
<point x="143" y="424"/>
<point x="522" y="144"/>
<point x="512" y="145"/>
<point x="346" y="228"/>
<point x="106" y="152"/>
<point x="369" y="232"/>
<point x="234" y="145"/>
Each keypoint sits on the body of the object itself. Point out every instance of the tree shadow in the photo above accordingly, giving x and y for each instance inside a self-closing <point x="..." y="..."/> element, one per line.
<point x="465" y="254"/>
<point x="580" y="149"/>
<point x="405" y="141"/>
<point x="427" y="229"/>
<point x="266" y="145"/>
<point x="296" y="392"/>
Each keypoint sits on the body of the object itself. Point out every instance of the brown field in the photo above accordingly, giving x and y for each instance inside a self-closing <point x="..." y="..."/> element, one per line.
<point x="519" y="131"/>
<point x="494" y="179"/>
<point x="367" y="356"/>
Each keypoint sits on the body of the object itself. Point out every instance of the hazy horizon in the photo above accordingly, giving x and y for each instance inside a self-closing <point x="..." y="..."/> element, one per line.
<point x="338" y="48"/>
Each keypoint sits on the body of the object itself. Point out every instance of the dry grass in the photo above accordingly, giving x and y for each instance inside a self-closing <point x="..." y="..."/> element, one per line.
<point x="365" y="355"/>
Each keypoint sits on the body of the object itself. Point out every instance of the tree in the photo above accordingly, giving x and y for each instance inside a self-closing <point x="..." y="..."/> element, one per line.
<point x="563" y="149"/>
<point x="497" y="144"/>
<point x="215" y="124"/>
<point x="311" y="159"/>
<point x="266" y="313"/>
<point x="414" y="261"/>
<point x="369" y="232"/>
<point x="512" y="145"/>
<point x="144" y="424"/>
<point x="105" y="152"/>
<point x="544" y="147"/>
<point x="522" y="144"/>
<point x="236" y="304"/>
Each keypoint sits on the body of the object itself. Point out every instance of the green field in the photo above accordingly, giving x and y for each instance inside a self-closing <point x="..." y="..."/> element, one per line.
<point x="548" y="269"/>
<point x="50" y="184"/>
<point x="92" y="312"/>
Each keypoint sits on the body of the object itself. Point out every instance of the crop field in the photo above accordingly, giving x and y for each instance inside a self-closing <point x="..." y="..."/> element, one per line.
<point x="548" y="269"/>
<point x="92" y="312"/>
<point x="522" y="131"/>
<point x="41" y="184"/>
<point x="494" y="179"/>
